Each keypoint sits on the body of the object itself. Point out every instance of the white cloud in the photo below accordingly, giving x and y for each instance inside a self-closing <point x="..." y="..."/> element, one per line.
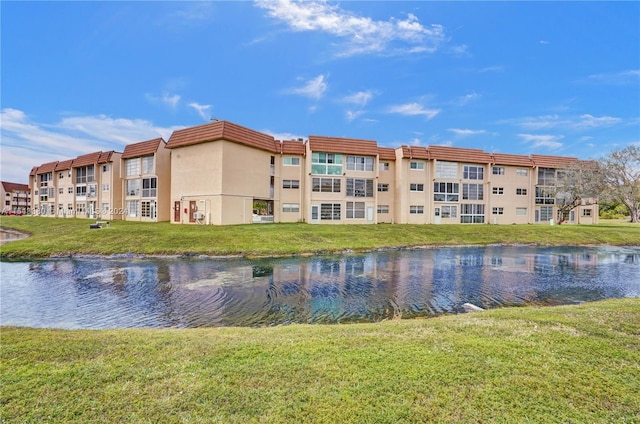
<point x="628" y="77"/>
<point x="466" y="99"/>
<point x="361" y="34"/>
<point x="203" y="110"/>
<point x="26" y="143"/>
<point x="282" y="135"/>
<point x="576" y="123"/>
<point x="466" y="132"/>
<point x="361" y="98"/>
<point x="413" y="109"/>
<point x="352" y="115"/>
<point x="548" y="141"/>
<point x="495" y="68"/>
<point x="313" y="88"/>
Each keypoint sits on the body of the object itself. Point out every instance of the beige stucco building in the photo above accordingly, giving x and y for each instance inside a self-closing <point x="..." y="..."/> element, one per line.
<point x="16" y="197"/>
<point x="222" y="173"/>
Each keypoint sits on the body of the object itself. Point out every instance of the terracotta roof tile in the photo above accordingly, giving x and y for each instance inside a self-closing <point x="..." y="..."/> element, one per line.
<point x="415" y="152"/>
<point x="221" y="130"/>
<point x="47" y="167"/>
<point x="64" y="165"/>
<point x="557" y="162"/>
<point x="514" y="160"/>
<point x="343" y="145"/>
<point x="459" y="154"/>
<point x="34" y="171"/>
<point x="143" y="148"/>
<point x="88" y="159"/>
<point x="291" y="147"/>
<point x="387" y="153"/>
<point x="10" y="187"/>
<point x="105" y="157"/>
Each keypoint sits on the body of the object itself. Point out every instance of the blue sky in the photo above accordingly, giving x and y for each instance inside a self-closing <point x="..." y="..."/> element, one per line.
<point x="559" y="78"/>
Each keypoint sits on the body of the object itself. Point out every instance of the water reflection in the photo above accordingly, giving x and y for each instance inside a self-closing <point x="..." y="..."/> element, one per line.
<point x="116" y="293"/>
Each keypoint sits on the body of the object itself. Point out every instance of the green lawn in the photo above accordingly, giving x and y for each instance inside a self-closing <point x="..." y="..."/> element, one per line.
<point x="565" y="364"/>
<point x="72" y="236"/>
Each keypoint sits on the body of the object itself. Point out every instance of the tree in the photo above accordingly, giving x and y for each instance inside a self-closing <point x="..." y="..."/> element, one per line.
<point x="620" y="172"/>
<point x="577" y="185"/>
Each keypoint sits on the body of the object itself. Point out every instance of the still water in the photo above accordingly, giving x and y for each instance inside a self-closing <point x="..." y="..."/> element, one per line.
<point x="200" y="292"/>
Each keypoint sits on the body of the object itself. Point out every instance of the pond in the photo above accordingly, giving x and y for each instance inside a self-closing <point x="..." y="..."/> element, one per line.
<point x="124" y="292"/>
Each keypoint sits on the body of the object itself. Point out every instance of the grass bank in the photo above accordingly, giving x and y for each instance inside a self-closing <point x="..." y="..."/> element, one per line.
<point x="53" y="237"/>
<point x="562" y="364"/>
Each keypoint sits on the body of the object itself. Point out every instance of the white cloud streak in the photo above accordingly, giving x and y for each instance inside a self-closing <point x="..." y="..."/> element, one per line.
<point x="466" y="132"/>
<point x="203" y="110"/>
<point x="536" y="141"/>
<point x="577" y="123"/>
<point x="314" y="88"/>
<point x="413" y="109"/>
<point x="361" y="35"/>
<point x="26" y="143"/>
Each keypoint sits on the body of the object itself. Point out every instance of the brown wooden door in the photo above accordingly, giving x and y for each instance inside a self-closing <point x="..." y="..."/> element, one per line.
<point x="176" y="211"/>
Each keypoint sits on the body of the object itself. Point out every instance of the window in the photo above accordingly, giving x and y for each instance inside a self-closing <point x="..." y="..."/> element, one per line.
<point x="449" y="211"/>
<point x="80" y="208"/>
<point x="446" y="170"/>
<point x="70" y="208"/>
<point x="586" y="212"/>
<point x="133" y="208"/>
<point x="132" y="167"/>
<point x="92" y="190"/>
<point x="521" y="191"/>
<point x="383" y="208"/>
<point x="60" y="190"/>
<point x="471" y="213"/>
<point x="81" y="191"/>
<point x="520" y="172"/>
<point x="69" y="190"/>
<point x="326" y="163"/>
<point x="290" y="161"/>
<point x="358" y="187"/>
<point x="290" y="207"/>
<point x="498" y="211"/>
<point x="148" y="165"/>
<point x="498" y="170"/>
<point x="472" y="191"/>
<point x="546" y="176"/>
<point x="290" y="183"/>
<point x="416" y="209"/>
<point x="105" y="187"/>
<point x="544" y="197"/>
<point x="133" y="188"/>
<point x="149" y="187"/>
<point x="383" y="166"/>
<point x="61" y="175"/>
<point x="473" y="172"/>
<point x="546" y="213"/>
<point x="330" y="211"/>
<point x="383" y="187"/>
<point x="418" y="166"/>
<point x="355" y="210"/>
<point x="326" y="185"/>
<point x="105" y="208"/>
<point x="521" y="211"/>
<point x="498" y="190"/>
<point x="446" y="192"/>
<point x="105" y="168"/>
<point x="148" y="209"/>
<point x="416" y="187"/>
<point x="85" y="174"/>
<point x="359" y="163"/>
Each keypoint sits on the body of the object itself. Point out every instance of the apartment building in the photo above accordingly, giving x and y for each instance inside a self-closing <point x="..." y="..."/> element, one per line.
<point x="85" y="187"/>
<point x="222" y="173"/>
<point x="16" y="197"/>
<point x="146" y="181"/>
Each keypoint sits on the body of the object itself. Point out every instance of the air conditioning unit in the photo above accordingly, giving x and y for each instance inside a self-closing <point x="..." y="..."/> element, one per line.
<point x="198" y="215"/>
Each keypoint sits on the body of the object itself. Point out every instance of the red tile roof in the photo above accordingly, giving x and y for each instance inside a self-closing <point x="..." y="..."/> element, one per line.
<point x="557" y="162"/>
<point x="221" y="130"/>
<point x="459" y="154"/>
<point x="144" y="148"/>
<point x="34" y="171"/>
<point x="88" y="159"/>
<point x="47" y="167"/>
<point x="387" y="153"/>
<point x="415" y="152"/>
<point x="11" y="187"/>
<point x="291" y="147"/>
<point x="64" y="165"/>
<point x="514" y="160"/>
<point x="105" y="157"/>
<point x="343" y="145"/>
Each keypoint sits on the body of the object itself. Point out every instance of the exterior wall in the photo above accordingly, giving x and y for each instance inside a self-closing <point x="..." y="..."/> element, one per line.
<point x="111" y="190"/>
<point x="163" y="172"/>
<point x="15" y="200"/>
<point x="66" y="195"/>
<point x="287" y="196"/>
<point x="386" y="198"/>
<point x="515" y="196"/>
<point x="148" y="204"/>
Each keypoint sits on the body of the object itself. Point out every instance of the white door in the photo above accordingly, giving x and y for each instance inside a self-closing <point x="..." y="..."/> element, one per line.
<point x="369" y="213"/>
<point x="437" y="219"/>
<point x="315" y="214"/>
